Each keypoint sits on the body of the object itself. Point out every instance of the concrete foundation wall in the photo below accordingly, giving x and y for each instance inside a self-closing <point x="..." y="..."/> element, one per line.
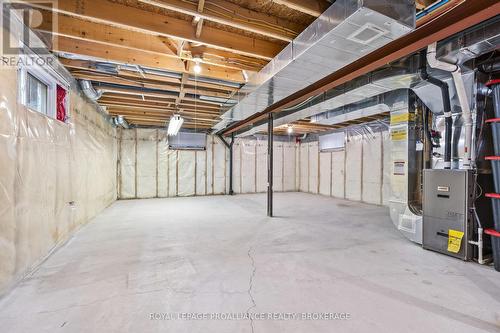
<point x="54" y="177"/>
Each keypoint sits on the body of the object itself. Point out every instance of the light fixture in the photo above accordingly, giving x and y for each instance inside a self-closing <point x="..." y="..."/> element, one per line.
<point x="174" y="125"/>
<point x="245" y="75"/>
<point x="289" y="129"/>
<point x="197" y="67"/>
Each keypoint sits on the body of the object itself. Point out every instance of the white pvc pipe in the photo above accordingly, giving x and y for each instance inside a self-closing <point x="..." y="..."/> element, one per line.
<point x="456" y="72"/>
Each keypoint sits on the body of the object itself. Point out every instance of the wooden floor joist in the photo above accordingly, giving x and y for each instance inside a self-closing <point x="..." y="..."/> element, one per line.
<point x="131" y="18"/>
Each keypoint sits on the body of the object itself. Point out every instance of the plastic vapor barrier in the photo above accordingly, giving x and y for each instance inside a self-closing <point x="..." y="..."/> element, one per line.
<point x="54" y="176"/>
<point x="149" y="169"/>
<point x="250" y="174"/>
<point x="360" y="171"/>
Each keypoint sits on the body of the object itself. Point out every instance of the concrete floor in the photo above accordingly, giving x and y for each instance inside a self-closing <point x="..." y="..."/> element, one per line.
<point x="222" y="255"/>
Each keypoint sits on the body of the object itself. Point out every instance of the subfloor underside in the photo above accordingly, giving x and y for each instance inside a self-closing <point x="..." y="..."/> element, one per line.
<point x="145" y="265"/>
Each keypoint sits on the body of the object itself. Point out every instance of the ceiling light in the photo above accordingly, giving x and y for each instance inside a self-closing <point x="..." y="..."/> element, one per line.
<point x="174" y="124"/>
<point x="289" y="129"/>
<point x="197" y="67"/>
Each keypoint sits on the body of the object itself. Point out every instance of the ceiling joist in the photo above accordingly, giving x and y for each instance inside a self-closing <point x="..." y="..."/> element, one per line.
<point x="140" y="20"/>
<point x="226" y="13"/>
<point x="311" y="7"/>
<point x="107" y="35"/>
<point x="90" y="68"/>
<point x="128" y="56"/>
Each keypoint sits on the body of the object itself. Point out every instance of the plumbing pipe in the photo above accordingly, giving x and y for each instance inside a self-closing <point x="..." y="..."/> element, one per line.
<point x="480" y="246"/>
<point x="457" y="131"/>
<point x="456" y="72"/>
<point x="445" y="94"/>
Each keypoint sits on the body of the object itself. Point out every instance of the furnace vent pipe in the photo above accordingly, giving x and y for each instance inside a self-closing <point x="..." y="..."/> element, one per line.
<point x="456" y="72"/>
<point x="446" y="107"/>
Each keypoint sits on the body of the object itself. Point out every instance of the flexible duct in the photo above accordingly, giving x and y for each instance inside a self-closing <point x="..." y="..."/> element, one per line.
<point x="456" y="72"/>
<point x="446" y="107"/>
<point x="120" y="121"/>
<point x="89" y="90"/>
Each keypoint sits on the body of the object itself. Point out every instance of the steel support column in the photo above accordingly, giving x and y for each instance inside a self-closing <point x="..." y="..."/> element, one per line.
<point x="231" y="192"/>
<point x="230" y="147"/>
<point x="270" y="165"/>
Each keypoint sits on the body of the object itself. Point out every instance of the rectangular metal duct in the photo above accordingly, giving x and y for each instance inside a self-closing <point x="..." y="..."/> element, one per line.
<point x="346" y="31"/>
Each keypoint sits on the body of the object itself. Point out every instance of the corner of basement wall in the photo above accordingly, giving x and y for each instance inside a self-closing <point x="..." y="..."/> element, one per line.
<point x="359" y="172"/>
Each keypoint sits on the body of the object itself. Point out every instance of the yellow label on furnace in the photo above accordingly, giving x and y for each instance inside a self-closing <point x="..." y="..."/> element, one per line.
<point x="402" y="118"/>
<point x="398" y="134"/>
<point x="454" y="240"/>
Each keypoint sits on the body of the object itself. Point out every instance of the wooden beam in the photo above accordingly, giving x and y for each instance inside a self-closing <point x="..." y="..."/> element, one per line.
<point x="139" y="92"/>
<point x="237" y="18"/>
<point x="184" y="104"/>
<point x="153" y="105"/>
<point x="164" y="116"/>
<point x="199" y="24"/>
<point x="182" y="91"/>
<point x="138" y="83"/>
<point x="128" y="56"/>
<point x="116" y="109"/>
<point x="139" y="122"/>
<point x="311" y="7"/>
<point x="150" y="107"/>
<point x="108" y="35"/>
<point x="90" y="68"/>
<point x="140" y="20"/>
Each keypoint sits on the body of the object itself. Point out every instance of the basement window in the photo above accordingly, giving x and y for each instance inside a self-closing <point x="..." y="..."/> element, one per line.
<point x="41" y="90"/>
<point x="36" y="94"/>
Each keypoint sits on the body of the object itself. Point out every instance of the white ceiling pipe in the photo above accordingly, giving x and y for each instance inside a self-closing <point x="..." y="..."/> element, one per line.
<point x="456" y="72"/>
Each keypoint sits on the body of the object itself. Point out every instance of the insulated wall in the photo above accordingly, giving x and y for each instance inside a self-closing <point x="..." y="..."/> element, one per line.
<point x="148" y="168"/>
<point x="250" y="166"/>
<point x="54" y="176"/>
<point x="359" y="172"/>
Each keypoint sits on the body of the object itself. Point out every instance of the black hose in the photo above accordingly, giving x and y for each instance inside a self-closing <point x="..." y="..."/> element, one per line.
<point x="446" y="106"/>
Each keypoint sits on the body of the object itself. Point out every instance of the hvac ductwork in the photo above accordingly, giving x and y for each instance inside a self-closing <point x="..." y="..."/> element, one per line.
<point x="120" y="121"/>
<point x="346" y="31"/>
<point x="89" y="90"/>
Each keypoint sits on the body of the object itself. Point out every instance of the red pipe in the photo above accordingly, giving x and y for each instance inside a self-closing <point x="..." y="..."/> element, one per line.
<point x="493" y="195"/>
<point x="493" y="120"/>
<point x="492" y="158"/>
<point x="492" y="232"/>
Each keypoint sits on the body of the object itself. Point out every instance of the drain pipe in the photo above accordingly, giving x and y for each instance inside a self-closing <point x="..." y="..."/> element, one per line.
<point x="456" y="72"/>
<point x="446" y="106"/>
